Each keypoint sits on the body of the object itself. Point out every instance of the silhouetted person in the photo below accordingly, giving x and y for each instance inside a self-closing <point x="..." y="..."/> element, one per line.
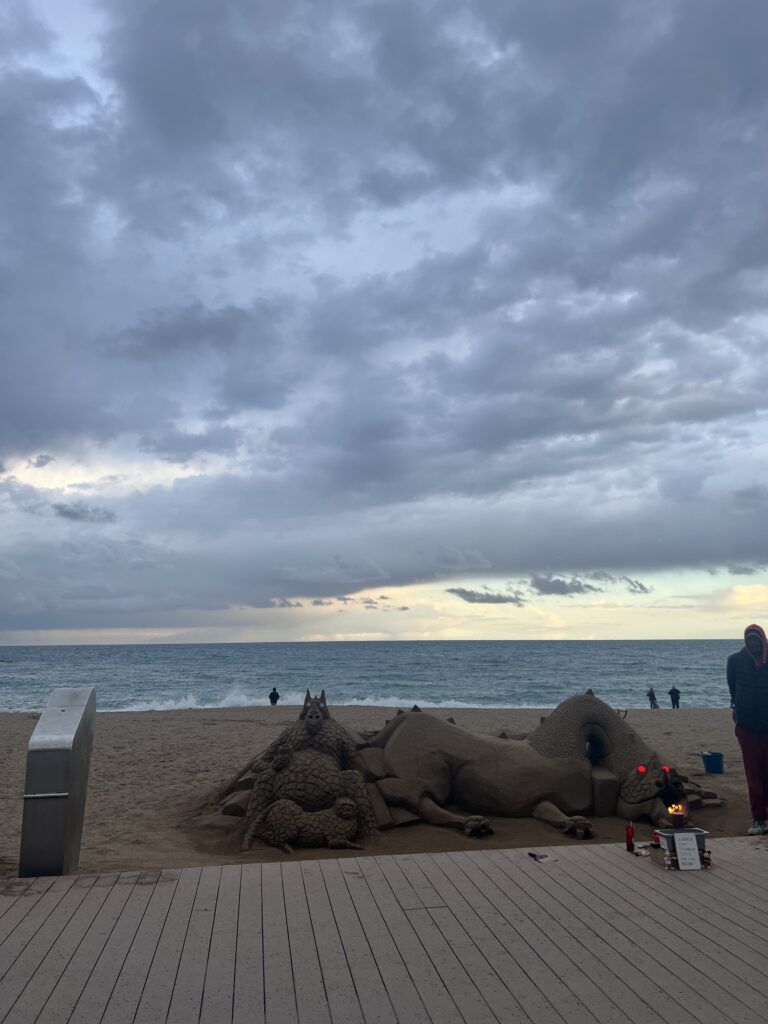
<point x="747" y="675"/>
<point x="674" y="696"/>
<point x="274" y="697"/>
<point x="651" y="695"/>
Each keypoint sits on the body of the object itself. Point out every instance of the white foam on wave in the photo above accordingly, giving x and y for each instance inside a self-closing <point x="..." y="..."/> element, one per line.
<point x="238" y="699"/>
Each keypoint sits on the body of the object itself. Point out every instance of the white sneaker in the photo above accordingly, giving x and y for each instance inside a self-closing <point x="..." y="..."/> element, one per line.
<point x="758" y="828"/>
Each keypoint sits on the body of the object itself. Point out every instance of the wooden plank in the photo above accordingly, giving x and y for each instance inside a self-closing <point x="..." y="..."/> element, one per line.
<point x="67" y="990"/>
<point x="248" y="1002"/>
<point x="468" y="999"/>
<point x="525" y="937"/>
<point x="444" y="938"/>
<point x="418" y="881"/>
<point x="406" y="895"/>
<point x="578" y="969"/>
<point x="187" y="996"/>
<point x="11" y="892"/>
<point x="98" y="988"/>
<point x="675" y="979"/>
<point x="501" y="1002"/>
<point x="684" y="941"/>
<point x="582" y="945"/>
<point x="435" y="996"/>
<point x="401" y="989"/>
<point x="711" y="893"/>
<point x="33" y="952"/>
<point x="19" y="924"/>
<point x="577" y="909"/>
<point x="218" y="994"/>
<point x="39" y="976"/>
<point x="747" y="853"/>
<point x="279" y="994"/>
<point x="682" y="895"/>
<point x="311" y="1005"/>
<point x="527" y="977"/>
<point x="734" y="893"/>
<point x="340" y="990"/>
<point x="156" y="995"/>
<point x="140" y="963"/>
<point x="371" y="990"/>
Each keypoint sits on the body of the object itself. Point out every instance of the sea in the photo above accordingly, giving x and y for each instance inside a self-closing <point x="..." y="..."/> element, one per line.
<point x="455" y="673"/>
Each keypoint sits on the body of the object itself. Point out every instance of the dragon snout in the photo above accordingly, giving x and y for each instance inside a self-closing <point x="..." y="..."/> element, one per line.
<point x="670" y="790"/>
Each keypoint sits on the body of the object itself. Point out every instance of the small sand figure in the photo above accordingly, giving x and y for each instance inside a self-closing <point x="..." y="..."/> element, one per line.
<point x="284" y="822"/>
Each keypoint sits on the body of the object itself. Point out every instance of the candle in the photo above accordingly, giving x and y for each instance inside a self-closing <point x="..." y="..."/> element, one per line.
<point x="677" y="814"/>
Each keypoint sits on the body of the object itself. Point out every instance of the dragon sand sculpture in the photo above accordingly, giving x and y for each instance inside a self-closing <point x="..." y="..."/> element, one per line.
<point x="321" y="784"/>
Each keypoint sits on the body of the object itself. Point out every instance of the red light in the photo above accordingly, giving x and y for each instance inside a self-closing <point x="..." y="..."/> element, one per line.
<point x="665" y="768"/>
<point x="641" y="768"/>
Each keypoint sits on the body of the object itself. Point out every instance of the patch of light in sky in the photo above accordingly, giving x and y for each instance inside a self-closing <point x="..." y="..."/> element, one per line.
<point x="107" y="475"/>
<point x="428" y="226"/>
<point x="77" y="25"/>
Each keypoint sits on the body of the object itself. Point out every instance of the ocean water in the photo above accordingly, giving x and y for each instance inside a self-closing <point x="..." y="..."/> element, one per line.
<point x="457" y="673"/>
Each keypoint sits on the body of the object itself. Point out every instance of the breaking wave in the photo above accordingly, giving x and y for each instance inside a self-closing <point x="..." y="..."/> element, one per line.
<point x="238" y="699"/>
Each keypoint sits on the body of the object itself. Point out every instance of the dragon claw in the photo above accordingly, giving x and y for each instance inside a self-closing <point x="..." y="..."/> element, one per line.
<point x="477" y="826"/>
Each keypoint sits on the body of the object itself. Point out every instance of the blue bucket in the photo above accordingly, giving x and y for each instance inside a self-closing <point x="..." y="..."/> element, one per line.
<point x="713" y="762"/>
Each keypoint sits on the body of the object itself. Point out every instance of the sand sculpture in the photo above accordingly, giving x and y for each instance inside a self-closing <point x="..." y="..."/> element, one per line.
<point x="319" y="784"/>
<point x="582" y="759"/>
<point x="284" y="822"/>
<point x="307" y="787"/>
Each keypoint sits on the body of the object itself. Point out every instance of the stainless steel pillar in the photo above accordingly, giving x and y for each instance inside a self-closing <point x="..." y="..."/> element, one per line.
<point x="58" y="758"/>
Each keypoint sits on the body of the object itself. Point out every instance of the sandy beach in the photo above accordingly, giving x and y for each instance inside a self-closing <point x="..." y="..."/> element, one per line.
<point x="151" y="770"/>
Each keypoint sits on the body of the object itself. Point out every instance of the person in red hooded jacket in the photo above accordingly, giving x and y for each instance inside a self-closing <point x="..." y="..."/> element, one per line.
<point x="747" y="675"/>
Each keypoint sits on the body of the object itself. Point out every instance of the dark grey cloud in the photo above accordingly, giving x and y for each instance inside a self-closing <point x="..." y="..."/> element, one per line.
<point x="39" y="461"/>
<point x="562" y="587"/>
<point x="365" y="295"/>
<point x="486" y="596"/>
<point x="179" y="446"/>
<point x="636" y="586"/>
<point x="742" y="570"/>
<point x="632" y="586"/>
<point x="79" y="512"/>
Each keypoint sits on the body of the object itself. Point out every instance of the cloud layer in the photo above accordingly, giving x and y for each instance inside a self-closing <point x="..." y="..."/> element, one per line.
<point x="300" y="299"/>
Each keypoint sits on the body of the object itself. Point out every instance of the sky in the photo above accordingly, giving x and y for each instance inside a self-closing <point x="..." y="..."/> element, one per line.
<point x="369" y="319"/>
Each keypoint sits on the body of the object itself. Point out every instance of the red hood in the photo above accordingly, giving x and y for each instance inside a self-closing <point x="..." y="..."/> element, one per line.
<point x="761" y="659"/>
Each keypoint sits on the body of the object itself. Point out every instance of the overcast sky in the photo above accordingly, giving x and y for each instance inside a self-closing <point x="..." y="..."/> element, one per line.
<point x="342" y="319"/>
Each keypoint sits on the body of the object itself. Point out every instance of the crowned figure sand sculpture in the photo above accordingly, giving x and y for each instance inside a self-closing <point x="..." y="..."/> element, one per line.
<point x="306" y="788"/>
<point x="321" y="784"/>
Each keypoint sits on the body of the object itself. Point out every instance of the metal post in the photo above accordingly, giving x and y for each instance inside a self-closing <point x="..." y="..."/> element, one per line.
<point x="58" y="758"/>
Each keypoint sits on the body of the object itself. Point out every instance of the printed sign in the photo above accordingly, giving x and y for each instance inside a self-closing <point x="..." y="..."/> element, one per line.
<point x="687" y="850"/>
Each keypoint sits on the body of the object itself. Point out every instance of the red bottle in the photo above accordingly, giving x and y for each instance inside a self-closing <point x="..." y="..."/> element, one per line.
<point x="630" y="838"/>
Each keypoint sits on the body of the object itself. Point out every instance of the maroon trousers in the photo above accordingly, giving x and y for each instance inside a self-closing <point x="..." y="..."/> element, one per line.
<point x="754" y="751"/>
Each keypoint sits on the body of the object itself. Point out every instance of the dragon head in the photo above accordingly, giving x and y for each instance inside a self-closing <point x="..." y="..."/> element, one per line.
<point x="345" y="807"/>
<point x="314" y="712"/>
<point x="651" y="780"/>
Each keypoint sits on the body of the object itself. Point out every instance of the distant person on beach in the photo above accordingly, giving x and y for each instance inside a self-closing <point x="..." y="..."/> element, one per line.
<point x="274" y="697"/>
<point x="747" y="675"/>
<point x="674" y="696"/>
<point x="651" y="695"/>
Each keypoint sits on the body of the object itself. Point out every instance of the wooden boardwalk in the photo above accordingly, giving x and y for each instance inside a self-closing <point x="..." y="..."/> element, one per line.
<point x="596" y="935"/>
